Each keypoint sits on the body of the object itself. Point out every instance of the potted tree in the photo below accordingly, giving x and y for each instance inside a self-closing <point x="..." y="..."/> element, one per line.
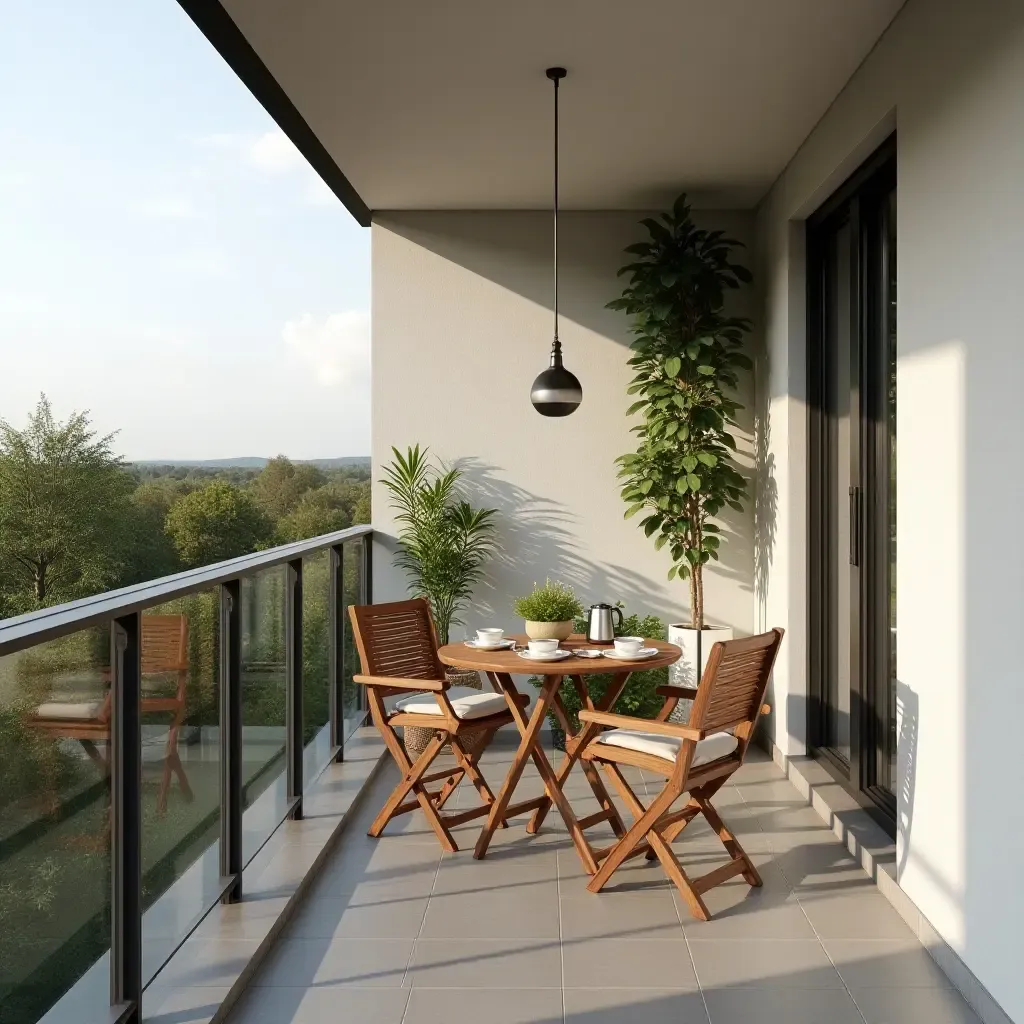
<point x="687" y="357"/>
<point x="443" y="545"/>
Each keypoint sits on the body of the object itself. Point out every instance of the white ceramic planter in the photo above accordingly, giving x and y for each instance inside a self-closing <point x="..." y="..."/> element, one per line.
<point x="549" y="630"/>
<point x="687" y="671"/>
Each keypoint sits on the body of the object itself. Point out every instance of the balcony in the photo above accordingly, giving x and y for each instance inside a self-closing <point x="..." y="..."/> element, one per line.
<point x="276" y="907"/>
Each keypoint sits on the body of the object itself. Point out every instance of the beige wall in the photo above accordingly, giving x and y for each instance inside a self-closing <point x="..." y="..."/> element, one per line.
<point x="949" y="76"/>
<point x="461" y="325"/>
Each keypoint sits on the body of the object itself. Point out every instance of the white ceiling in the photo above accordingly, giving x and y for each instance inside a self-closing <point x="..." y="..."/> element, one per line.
<point x="443" y="104"/>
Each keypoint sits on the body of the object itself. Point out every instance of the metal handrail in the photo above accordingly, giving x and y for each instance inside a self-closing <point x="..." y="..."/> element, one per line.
<point x="21" y="631"/>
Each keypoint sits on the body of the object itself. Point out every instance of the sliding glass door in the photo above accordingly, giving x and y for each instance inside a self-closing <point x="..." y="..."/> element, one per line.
<point x="852" y="376"/>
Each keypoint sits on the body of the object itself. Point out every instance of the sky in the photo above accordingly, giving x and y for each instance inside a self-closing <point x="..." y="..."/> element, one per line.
<point x="168" y="260"/>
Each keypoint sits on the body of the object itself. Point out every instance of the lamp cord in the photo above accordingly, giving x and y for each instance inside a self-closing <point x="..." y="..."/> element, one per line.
<point x="556" y="342"/>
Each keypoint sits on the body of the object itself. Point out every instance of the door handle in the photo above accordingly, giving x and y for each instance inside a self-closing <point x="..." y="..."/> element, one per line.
<point x="855" y="526"/>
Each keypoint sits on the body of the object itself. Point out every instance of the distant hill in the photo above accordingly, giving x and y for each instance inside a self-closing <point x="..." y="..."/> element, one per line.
<point x="257" y="462"/>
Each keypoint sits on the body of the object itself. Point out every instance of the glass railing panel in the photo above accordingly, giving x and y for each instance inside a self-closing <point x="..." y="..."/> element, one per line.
<point x="265" y="796"/>
<point x="54" y="820"/>
<point x="316" y="679"/>
<point x="353" y="701"/>
<point x="181" y="755"/>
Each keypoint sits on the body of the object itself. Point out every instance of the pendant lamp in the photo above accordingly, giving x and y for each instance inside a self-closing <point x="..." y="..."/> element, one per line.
<point x="556" y="392"/>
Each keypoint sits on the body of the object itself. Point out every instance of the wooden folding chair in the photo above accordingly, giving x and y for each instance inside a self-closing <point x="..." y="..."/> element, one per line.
<point x="164" y="652"/>
<point x="397" y="646"/>
<point x="697" y="758"/>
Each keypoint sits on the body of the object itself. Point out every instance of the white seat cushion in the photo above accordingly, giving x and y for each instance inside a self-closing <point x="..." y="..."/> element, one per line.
<point x="82" y="711"/>
<point x="467" y="702"/>
<point x="721" y="744"/>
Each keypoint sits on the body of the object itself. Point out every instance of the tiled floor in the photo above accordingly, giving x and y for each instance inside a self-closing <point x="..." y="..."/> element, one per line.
<point x="395" y="932"/>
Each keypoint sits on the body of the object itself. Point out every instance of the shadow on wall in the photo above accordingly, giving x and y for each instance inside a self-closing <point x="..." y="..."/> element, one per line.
<point x="542" y="534"/>
<point x="906" y="760"/>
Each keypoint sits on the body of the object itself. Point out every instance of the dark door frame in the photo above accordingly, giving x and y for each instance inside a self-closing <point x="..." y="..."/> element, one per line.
<point x="859" y="202"/>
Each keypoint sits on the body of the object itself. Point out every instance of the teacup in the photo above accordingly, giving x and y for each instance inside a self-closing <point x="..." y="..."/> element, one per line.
<point x="543" y="647"/>
<point x="628" y="646"/>
<point x="489" y="637"/>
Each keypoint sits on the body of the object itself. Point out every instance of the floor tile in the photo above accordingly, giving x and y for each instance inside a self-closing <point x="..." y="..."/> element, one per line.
<point x="635" y="874"/>
<point x="617" y="963"/>
<point x="791" y="963"/>
<point x="885" y="964"/>
<point x="744" y="912"/>
<point x="650" y="1006"/>
<point x="505" y="866"/>
<point x="524" y="911"/>
<point x="204" y="963"/>
<point x="855" y="916"/>
<point x="780" y="1005"/>
<point x="913" y="1006"/>
<point x="182" y="1005"/>
<point x="365" y="963"/>
<point x="485" y="963"/>
<point x="620" y="915"/>
<point x="493" y="1006"/>
<point x="343" y="918"/>
<point x="324" y="1003"/>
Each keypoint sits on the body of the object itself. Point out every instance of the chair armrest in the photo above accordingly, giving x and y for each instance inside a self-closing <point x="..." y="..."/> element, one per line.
<point x="688" y="692"/>
<point x="683" y="732"/>
<point x="398" y="683"/>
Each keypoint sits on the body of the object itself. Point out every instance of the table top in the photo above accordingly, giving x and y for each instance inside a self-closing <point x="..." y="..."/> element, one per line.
<point x="460" y="656"/>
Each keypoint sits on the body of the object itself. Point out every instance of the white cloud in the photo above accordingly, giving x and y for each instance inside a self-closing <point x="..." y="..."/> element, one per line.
<point x="337" y="347"/>
<point x="273" y="151"/>
<point x="166" y="208"/>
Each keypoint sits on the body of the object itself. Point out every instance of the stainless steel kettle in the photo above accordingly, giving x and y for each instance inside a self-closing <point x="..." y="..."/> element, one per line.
<point x="601" y="623"/>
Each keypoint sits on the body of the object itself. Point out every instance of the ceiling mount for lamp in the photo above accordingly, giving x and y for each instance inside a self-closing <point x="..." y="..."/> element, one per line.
<point x="556" y="392"/>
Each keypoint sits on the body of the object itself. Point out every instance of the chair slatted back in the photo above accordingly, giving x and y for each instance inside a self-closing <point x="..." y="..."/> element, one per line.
<point x="164" y="643"/>
<point x="733" y="686"/>
<point x="397" y="639"/>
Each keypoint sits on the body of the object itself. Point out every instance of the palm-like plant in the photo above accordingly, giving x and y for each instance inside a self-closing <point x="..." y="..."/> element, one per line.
<point x="444" y="543"/>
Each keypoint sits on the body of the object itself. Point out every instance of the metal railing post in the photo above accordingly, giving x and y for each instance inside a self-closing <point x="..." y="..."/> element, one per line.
<point x="126" y="814"/>
<point x="231" y="737"/>
<point x="336" y="653"/>
<point x="293" y="681"/>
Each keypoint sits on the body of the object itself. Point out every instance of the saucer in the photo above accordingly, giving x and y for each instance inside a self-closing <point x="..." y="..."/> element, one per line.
<point x="557" y="656"/>
<point x="644" y="652"/>
<point x="502" y="645"/>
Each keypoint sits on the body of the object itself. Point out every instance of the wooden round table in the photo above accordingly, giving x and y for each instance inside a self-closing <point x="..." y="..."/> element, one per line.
<point x="500" y="667"/>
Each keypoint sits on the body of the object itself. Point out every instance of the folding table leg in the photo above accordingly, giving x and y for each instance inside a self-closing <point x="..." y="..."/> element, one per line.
<point x="529" y="731"/>
<point x="575" y="745"/>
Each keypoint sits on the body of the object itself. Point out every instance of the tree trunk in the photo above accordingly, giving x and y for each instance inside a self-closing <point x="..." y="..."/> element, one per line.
<point x="39" y="582"/>
<point x="693" y="598"/>
<point x="698" y="585"/>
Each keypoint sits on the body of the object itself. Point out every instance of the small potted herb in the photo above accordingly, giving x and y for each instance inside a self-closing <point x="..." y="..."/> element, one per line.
<point x="550" y="611"/>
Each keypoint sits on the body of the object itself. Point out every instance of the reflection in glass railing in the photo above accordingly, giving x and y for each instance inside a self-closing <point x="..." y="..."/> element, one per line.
<point x="353" y="592"/>
<point x="316" y="667"/>
<point x="54" y="819"/>
<point x="180" y="771"/>
<point x="264" y="699"/>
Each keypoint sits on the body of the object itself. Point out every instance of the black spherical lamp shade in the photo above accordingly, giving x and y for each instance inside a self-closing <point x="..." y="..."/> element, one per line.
<point x="556" y="392"/>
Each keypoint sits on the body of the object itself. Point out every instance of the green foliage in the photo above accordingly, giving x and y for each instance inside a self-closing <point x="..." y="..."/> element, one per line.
<point x="216" y="522"/>
<point x="318" y="511"/>
<point x="553" y="602"/>
<point x="638" y="699"/>
<point x="444" y="543"/>
<point x="282" y="483"/>
<point x="61" y="489"/>
<point x="687" y="358"/>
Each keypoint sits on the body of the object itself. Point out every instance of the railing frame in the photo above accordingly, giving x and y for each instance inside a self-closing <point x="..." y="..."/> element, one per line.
<point x="122" y="610"/>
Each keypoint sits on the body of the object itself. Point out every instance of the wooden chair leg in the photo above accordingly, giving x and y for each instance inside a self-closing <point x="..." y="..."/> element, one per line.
<point x="468" y="763"/>
<point x="637" y="831"/>
<point x="730" y="842"/>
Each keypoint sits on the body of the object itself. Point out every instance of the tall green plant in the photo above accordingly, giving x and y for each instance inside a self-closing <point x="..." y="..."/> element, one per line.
<point x="687" y="358"/>
<point x="444" y="543"/>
